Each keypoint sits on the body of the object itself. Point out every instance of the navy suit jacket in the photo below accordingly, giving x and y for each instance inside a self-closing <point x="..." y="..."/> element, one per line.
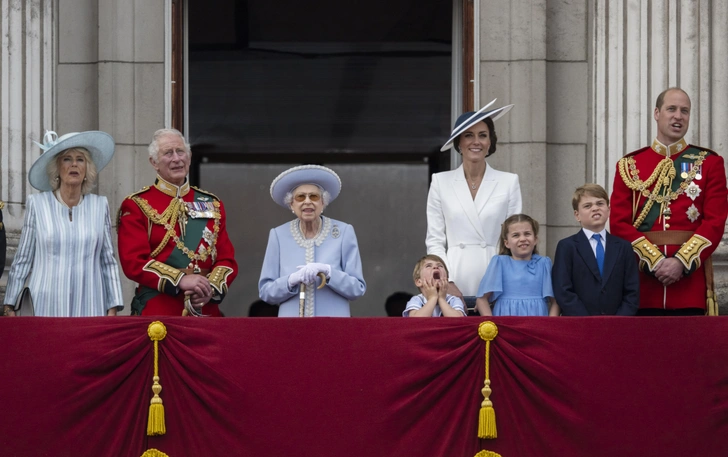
<point x="580" y="290"/>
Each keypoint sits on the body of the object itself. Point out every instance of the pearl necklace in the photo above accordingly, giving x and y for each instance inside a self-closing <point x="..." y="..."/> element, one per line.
<point x="57" y="193"/>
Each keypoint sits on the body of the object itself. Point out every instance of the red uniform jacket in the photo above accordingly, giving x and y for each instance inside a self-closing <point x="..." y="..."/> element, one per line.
<point x="153" y="217"/>
<point x="691" y="198"/>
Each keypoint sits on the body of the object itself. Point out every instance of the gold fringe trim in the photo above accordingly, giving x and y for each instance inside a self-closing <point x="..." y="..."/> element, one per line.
<point x="482" y="453"/>
<point x="154" y="453"/>
<point x="155" y="425"/>
<point x="711" y="304"/>
<point x="486" y="424"/>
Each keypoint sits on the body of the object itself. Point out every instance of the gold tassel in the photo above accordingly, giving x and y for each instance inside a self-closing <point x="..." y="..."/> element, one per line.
<point x="711" y="304"/>
<point x="156" y="453"/>
<point x="155" y="425"/>
<point x="482" y="453"/>
<point x="486" y="424"/>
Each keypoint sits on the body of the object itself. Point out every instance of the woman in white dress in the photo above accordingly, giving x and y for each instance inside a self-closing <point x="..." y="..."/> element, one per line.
<point x="65" y="244"/>
<point x="466" y="206"/>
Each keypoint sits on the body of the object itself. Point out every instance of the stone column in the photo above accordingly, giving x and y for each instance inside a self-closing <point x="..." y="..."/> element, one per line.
<point x="26" y="95"/>
<point x="569" y="159"/>
<point x="131" y="96"/>
<point x="512" y="55"/>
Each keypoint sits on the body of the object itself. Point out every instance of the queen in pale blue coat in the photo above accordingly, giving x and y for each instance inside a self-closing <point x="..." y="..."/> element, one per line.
<point x="312" y="265"/>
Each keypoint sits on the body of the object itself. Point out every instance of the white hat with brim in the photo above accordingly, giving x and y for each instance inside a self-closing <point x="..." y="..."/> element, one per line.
<point x="287" y="181"/>
<point x="100" y="146"/>
<point x="467" y="120"/>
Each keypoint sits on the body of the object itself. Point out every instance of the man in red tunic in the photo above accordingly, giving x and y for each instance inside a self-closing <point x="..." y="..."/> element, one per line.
<point x="670" y="201"/>
<point x="172" y="238"/>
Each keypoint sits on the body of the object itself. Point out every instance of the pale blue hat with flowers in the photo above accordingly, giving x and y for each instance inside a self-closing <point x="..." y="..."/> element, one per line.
<point x="287" y="181"/>
<point x="100" y="146"/>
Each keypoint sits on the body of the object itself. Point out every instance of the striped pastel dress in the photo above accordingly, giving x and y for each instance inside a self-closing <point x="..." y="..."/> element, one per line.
<point x="71" y="264"/>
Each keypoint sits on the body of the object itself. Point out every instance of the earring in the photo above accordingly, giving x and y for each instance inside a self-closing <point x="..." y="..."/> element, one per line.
<point x="84" y="179"/>
<point x="56" y="178"/>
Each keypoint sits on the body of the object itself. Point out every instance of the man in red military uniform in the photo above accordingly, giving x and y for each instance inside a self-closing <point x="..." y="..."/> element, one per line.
<point x="172" y="238"/>
<point x="670" y="201"/>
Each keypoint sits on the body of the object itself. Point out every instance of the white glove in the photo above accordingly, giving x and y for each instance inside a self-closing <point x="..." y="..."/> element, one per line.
<point x="313" y="269"/>
<point x="297" y="277"/>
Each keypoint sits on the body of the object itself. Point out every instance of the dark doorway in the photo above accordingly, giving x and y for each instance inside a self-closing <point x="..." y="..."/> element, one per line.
<point x="360" y="86"/>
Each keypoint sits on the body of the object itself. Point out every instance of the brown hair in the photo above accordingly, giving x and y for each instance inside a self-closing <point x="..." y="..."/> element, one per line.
<point x="53" y="168"/>
<point x="516" y="218"/>
<point x="418" y="266"/>
<point x="661" y="97"/>
<point x="590" y="190"/>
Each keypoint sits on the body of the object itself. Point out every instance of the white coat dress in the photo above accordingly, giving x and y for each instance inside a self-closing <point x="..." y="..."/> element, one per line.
<point x="464" y="232"/>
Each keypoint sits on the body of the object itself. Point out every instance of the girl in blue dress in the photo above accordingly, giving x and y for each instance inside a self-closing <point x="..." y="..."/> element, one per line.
<point x="518" y="280"/>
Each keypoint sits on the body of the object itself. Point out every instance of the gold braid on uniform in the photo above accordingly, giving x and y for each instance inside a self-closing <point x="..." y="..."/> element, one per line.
<point x="690" y="251"/>
<point x="218" y="278"/>
<point x="661" y="177"/>
<point x="177" y="210"/>
<point x="648" y="253"/>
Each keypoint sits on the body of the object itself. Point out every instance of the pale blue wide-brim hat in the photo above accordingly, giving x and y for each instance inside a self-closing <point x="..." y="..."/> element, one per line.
<point x="100" y="146"/>
<point x="467" y="120"/>
<point x="287" y="181"/>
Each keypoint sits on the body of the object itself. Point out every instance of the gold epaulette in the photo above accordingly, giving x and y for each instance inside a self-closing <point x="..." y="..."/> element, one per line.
<point x="206" y="192"/>
<point x="2" y="204"/>
<point x="118" y="213"/>
<point x="165" y="273"/>
<point x="690" y="251"/>
<point x="218" y="278"/>
<point x="647" y="252"/>
<point x="142" y="190"/>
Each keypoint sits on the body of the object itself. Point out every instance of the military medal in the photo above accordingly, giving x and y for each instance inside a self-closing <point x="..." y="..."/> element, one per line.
<point x="693" y="213"/>
<point x="684" y="168"/>
<point x="693" y="190"/>
<point x="202" y="210"/>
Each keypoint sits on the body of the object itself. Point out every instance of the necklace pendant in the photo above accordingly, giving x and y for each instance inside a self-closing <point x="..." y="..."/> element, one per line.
<point x="472" y="186"/>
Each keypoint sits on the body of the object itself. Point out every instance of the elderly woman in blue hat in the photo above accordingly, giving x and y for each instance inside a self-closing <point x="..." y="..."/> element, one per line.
<point x="466" y="206"/>
<point x="65" y="244"/>
<point x="312" y="252"/>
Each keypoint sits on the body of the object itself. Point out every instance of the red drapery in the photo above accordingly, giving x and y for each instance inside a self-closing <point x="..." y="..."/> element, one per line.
<point x="362" y="387"/>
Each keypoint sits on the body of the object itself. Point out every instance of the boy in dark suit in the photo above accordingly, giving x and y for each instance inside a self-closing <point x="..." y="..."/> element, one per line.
<point x="594" y="272"/>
